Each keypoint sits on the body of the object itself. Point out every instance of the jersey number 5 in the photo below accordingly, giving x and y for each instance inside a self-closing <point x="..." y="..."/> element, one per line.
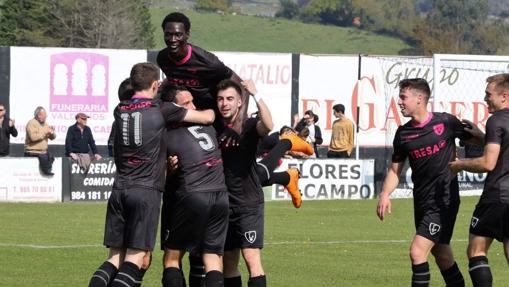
<point x="128" y="120"/>
<point x="204" y="139"/>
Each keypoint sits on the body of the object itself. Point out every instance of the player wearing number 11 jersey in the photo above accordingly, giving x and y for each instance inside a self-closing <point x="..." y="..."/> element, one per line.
<point x="133" y="208"/>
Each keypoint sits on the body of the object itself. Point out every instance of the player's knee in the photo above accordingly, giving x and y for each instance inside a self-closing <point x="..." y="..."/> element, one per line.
<point x="417" y="255"/>
<point x="147" y="260"/>
<point x="474" y="251"/>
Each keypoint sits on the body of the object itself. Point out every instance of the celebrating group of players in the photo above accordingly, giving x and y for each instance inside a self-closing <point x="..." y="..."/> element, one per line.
<point x="198" y="137"/>
<point x="428" y="141"/>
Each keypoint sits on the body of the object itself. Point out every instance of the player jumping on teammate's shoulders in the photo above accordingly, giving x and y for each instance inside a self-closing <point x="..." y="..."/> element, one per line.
<point x="428" y="141"/>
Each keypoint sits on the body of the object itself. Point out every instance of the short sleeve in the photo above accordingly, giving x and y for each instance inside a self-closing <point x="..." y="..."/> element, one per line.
<point x="494" y="131"/>
<point x="458" y="129"/>
<point x="398" y="155"/>
<point x="173" y="112"/>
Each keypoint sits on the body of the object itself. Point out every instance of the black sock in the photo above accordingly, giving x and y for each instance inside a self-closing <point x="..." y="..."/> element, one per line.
<point x="420" y="275"/>
<point x="172" y="277"/>
<point x="453" y="277"/>
<point x="196" y="271"/>
<point x="214" y="279"/>
<point x="233" y="282"/>
<point x="282" y="178"/>
<point x="266" y="166"/>
<point x="128" y="275"/>
<point x="480" y="272"/>
<point x="104" y="275"/>
<point x="142" y="274"/>
<point x="258" y="281"/>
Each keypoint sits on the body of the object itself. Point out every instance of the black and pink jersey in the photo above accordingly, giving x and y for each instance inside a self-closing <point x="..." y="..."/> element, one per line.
<point x="199" y="158"/>
<point x="139" y="126"/>
<point x="244" y="188"/>
<point x="429" y="148"/>
<point x="496" y="186"/>
<point x="199" y="71"/>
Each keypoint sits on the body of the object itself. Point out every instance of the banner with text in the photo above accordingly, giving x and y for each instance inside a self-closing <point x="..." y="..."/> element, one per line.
<point x="272" y="75"/>
<point x="325" y="179"/>
<point x="94" y="185"/>
<point x="66" y="81"/>
<point x="22" y="181"/>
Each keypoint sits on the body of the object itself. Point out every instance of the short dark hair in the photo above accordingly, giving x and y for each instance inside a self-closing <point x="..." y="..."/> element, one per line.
<point x="339" y="108"/>
<point x="227" y="83"/>
<point x="143" y="75"/>
<point x="168" y="92"/>
<point x="309" y="113"/>
<point x="285" y="129"/>
<point x="2" y="104"/>
<point x="125" y="90"/>
<point x="177" y="17"/>
<point x="501" y="81"/>
<point x="315" y="118"/>
<point x="419" y="84"/>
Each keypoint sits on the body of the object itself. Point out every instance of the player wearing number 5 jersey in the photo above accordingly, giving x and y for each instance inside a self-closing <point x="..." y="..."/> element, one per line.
<point x="133" y="208"/>
<point x="194" y="216"/>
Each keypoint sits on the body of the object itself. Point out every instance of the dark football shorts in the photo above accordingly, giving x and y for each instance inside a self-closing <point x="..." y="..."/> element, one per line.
<point x="245" y="228"/>
<point x="195" y="221"/>
<point x="491" y="220"/>
<point x="132" y="216"/>
<point x="436" y="226"/>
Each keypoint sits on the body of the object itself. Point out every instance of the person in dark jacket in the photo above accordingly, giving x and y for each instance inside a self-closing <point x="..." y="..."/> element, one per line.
<point x="7" y="129"/>
<point x="80" y="141"/>
<point x="315" y="133"/>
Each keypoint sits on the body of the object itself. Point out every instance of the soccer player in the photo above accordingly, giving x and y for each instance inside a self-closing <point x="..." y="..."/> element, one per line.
<point x="243" y="176"/>
<point x="428" y="141"/>
<point x="133" y="208"/>
<point x="195" y="206"/>
<point x="491" y="215"/>
<point x="193" y="67"/>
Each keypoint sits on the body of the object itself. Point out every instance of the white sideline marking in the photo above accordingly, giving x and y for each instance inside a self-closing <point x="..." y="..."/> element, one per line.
<point x="37" y="246"/>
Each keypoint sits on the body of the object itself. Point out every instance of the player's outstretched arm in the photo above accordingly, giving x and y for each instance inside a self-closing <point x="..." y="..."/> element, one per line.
<point x="390" y="183"/>
<point x="477" y="134"/>
<point x="205" y="117"/>
<point x="485" y="163"/>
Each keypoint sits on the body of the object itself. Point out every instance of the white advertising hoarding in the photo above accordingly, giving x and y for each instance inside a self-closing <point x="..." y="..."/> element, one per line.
<point x="66" y="81"/>
<point x="22" y="181"/>
<point x="325" y="179"/>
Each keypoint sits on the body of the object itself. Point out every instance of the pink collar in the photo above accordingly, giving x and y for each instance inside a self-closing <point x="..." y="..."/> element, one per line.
<point x="428" y="119"/>
<point x="186" y="58"/>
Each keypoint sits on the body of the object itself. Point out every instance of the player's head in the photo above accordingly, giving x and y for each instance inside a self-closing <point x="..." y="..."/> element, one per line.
<point x="304" y="133"/>
<point x="176" y="28"/>
<point x="145" y="77"/>
<point x="179" y="95"/>
<point x="125" y="90"/>
<point x="497" y="92"/>
<point x="339" y="110"/>
<point x="413" y="96"/>
<point x="285" y="130"/>
<point x="229" y="99"/>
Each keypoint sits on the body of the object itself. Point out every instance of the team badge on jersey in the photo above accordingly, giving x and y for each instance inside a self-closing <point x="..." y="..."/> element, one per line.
<point x="439" y="129"/>
<point x="474" y="221"/>
<point x="434" y="228"/>
<point x="250" y="236"/>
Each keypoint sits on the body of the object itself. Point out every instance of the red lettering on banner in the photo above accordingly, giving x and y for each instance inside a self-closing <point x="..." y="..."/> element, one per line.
<point x="306" y="106"/>
<point x="395" y="115"/>
<point x="457" y="112"/>
<point x="476" y="119"/>
<point x="264" y="73"/>
<point x="370" y="106"/>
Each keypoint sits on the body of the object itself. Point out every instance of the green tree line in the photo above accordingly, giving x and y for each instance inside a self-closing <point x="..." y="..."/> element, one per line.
<point x="76" y="23"/>
<point x="445" y="26"/>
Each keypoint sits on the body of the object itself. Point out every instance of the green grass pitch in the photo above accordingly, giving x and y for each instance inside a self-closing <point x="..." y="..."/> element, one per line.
<point x="325" y="243"/>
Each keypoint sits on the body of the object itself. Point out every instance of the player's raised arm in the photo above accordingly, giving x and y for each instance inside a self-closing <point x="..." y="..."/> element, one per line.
<point x="390" y="183"/>
<point x="265" y="125"/>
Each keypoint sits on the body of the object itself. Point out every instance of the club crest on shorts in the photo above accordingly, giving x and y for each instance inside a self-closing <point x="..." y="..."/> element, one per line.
<point x="250" y="236"/>
<point x="434" y="228"/>
<point x="438" y="129"/>
<point x="474" y="222"/>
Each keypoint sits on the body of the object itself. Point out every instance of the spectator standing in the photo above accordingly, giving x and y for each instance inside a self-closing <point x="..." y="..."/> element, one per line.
<point x="79" y="141"/>
<point x="341" y="142"/>
<point x="314" y="136"/>
<point x="38" y="132"/>
<point x="7" y="129"/>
